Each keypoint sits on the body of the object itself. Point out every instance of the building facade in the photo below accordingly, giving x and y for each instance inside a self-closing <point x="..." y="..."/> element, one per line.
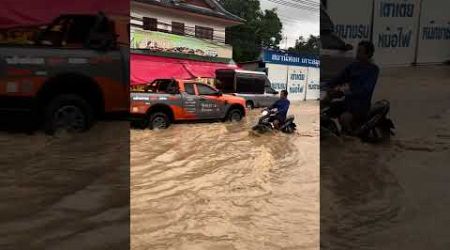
<point x="188" y="32"/>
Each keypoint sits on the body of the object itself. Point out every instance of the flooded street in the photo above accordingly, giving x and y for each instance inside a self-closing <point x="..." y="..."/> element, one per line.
<point x="396" y="195"/>
<point x="216" y="186"/>
<point x="65" y="192"/>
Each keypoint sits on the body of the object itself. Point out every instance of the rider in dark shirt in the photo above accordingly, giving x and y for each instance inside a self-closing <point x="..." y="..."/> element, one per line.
<point x="361" y="77"/>
<point x="282" y="105"/>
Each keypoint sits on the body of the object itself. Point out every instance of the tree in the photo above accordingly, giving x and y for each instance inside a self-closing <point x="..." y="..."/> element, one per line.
<point x="257" y="31"/>
<point x="310" y="46"/>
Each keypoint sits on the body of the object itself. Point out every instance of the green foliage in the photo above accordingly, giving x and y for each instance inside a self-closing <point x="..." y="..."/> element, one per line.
<point x="310" y="46"/>
<point x="257" y="31"/>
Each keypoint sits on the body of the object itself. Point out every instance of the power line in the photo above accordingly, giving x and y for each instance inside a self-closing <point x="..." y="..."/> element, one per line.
<point x="296" y="5"/>
<point x="312" y="3"/>
<point x="304" y="7"/>
<point x="283" y="17"/>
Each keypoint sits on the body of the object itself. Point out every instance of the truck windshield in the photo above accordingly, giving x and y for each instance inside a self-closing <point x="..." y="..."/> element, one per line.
<point x="160" y="86"/>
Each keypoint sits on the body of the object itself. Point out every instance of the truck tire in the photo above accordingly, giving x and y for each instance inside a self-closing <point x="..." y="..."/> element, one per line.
<point x="159" y="120"/>
<point x="68" y="112"/>
<point x="250" y="105"/>
<point x="235" y="115"/>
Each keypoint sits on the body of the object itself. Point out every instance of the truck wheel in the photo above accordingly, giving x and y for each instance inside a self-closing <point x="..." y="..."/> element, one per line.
<point x="68" y="112"/>
<point x="159" y="120"/>
<point x="249" y="105"/>
<point x="235" y="115"/>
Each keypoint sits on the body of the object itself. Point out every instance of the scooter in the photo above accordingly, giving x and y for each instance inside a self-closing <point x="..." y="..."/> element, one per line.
<point x="378" y="127"/>
<point x="265" y="123"/>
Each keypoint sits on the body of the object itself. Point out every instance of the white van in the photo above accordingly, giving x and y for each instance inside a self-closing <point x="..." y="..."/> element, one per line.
<point x="253" y="86"/>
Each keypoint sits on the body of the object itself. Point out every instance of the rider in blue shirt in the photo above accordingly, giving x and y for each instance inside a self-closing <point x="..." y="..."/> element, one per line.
<point x="282" y="105"/>
<point x="361" y="77"/>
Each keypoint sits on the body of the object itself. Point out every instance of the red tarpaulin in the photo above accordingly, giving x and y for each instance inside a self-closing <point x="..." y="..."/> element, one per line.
<point x="145" y="68"/>
<point x="15" y="13"/>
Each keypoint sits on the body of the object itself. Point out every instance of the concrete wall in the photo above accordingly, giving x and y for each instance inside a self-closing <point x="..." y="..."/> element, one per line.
<point x="302" y="83"/>
<point x="403" y="31"/>
<point x="434" y="35"/>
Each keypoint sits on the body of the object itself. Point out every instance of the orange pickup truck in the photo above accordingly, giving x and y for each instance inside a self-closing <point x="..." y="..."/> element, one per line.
<point x="74" y="71"/>
<point x="164" y="101"/>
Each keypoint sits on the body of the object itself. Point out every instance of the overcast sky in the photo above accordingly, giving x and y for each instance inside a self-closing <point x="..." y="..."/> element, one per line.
<point x="296" y="22"/>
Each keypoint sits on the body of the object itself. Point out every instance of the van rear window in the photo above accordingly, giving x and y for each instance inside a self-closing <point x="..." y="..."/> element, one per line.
<point x="247" y="85"/>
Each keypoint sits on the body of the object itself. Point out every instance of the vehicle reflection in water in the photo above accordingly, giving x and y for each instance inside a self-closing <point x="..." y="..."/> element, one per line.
<point x="67" y="191"/>
<point x="217" y="186"/>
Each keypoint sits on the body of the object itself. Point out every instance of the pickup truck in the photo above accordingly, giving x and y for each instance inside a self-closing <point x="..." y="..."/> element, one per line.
<point x="74" y="71"/>
<point x="253" y="86"/>
<point x="164" y="101"/>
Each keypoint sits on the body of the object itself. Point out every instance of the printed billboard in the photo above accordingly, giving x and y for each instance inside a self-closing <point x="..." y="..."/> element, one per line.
<point x="170" y="43"/>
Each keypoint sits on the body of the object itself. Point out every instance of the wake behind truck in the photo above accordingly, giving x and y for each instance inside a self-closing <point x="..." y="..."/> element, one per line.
<point x="164" y="101"/>
<point x="74" y="71"/>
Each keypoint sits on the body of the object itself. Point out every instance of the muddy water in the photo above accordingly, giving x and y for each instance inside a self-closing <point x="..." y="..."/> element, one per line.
<point x="65" y="192"/>
<point x="395" y="195"/>
<point x="215" y="186"/>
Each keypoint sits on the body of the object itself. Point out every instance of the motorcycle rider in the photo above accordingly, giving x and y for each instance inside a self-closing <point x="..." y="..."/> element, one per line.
<point x="357" y="81"/>
<point x="282" y="106"/>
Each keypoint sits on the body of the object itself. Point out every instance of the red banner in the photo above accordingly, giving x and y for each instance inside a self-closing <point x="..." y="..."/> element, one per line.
<point x="145" y="68"/>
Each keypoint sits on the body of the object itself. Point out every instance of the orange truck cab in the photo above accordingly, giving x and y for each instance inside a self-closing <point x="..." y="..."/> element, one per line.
<point x="158" y="104"/>
<point x="74" y="71"/>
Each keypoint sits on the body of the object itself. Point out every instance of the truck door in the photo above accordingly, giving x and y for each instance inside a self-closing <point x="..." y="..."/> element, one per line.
<point x="190" y="102"/>
<point x="210" y="105"/>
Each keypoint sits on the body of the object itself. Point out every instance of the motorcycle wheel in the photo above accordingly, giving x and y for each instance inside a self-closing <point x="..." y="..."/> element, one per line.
<point x="289" y="129"/>
<point x="261" y="129"/>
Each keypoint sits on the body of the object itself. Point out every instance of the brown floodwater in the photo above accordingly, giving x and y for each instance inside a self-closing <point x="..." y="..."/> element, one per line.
<point x="217" y="186"/>
<point x="65" y="191"/>
<point x="394" y="195"/>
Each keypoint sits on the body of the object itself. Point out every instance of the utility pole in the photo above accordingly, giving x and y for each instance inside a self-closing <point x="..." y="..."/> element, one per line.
<point x="286" y="48"/>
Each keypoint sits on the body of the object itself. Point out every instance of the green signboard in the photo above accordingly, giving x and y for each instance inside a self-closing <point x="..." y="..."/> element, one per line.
<point x="170" y="43"/>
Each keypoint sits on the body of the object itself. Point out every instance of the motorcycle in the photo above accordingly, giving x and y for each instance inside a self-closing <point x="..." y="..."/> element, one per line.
<point x="377" y="127"/>
<point x="265" y="123"/>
